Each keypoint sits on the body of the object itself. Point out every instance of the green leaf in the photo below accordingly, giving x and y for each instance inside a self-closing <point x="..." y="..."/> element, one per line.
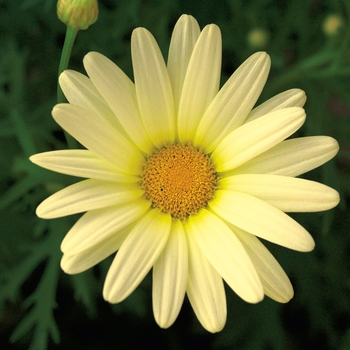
<point x="39" y="319"/>
<point x="84" y="290"/>
<point x="22" y="132"/>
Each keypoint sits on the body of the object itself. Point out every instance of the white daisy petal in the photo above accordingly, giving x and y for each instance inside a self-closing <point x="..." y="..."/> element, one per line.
<point x="289" y="98"/>
<point x="153" y="88"/>
<point x="81" y="163"/>
<point x="226" y="254"/>
<point x="205" y="289"/>
<point x="119" y="92"/>
<point x="87" y="195"/>
<point x="285" y="193"/>
<point x="255" y="137"/>
<point x="292" y="157"/>
<point x="234" y="101"/>
<point x="99" y="224"/>
<point x="201" y="83"/>
<point x="86" y="127"/>
<point x="274" y="280"/>
<point x="82" y="261"/>
<point x="183" y="39"/>
<point x="261" y="219"/>
<point x="170" y="273"/>
<point x="137" y="255"/>
<point x="80" y="91"/>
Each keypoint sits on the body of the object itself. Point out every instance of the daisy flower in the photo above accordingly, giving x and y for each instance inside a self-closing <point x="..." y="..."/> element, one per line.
<point x="183" y="177"/>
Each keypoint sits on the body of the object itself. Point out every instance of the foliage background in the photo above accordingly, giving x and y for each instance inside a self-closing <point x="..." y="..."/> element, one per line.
<point x="41" y="307"/>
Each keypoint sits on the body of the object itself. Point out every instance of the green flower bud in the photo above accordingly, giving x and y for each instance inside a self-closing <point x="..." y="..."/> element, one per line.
<point x="77" y="14"/>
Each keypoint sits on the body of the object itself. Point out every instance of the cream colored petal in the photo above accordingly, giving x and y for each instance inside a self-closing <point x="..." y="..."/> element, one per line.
<point x="97" y="225"/>
<point x="137" y="255"/>
<point x="87" y="195"/>
<point x="261" y="219"/>
<point x="170" y="273"/>
<point x="119" y="92"/>
<point x="253" y="138"/>
<point x="275" y="281"/>
<point x="289" y="98"/>
<point x="226" y="254"/>
<point x="292" y="157"/>
<point x="153" y="88"/>
<point x="205" y="289"/>
<point x="285" y="193"/>
<point x="201" y="83"/>
<point x="82" y="261"/>
<point x="81" y="163"/>
<point x="233" y="102"/>
<point x="80" y="91"/>
<point x="99" y="137"/>
<point x="183" y="39"/>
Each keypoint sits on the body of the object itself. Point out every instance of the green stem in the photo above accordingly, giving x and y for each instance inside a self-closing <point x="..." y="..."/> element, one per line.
<point x="342" y="52"/>
<point x="65" y="56"/>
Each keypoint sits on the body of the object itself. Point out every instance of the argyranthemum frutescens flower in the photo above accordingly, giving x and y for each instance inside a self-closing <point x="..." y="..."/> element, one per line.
<point x="183" y="177"/>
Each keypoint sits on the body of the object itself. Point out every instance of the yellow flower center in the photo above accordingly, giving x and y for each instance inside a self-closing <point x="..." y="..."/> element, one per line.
<point x="179" y="180"/>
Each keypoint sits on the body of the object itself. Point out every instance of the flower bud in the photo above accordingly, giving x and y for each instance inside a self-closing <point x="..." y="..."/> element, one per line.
<point x="258" y="38"/>
<point x="77" y="14"/>
<point x="332" y="25"/>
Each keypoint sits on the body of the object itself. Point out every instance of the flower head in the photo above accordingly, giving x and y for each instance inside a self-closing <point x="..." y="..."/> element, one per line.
<point x="183" y="177"/>
<point x="78" y="14"/>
